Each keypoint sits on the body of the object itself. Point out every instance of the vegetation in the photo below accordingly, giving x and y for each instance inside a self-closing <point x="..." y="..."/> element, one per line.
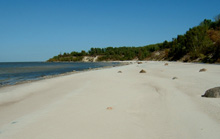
<point x="200" y="43"/>
<point x="109" y="53"/>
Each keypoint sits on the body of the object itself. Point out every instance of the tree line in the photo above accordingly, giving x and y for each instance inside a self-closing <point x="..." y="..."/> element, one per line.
<point x="201" y="43"/>
<point x="109" y="53"/>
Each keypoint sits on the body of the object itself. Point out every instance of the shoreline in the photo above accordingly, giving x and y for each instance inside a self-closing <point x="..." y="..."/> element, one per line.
<point x="61" y="74"/>
<point x="74" y="72"/>
<point x="106" y="104"/>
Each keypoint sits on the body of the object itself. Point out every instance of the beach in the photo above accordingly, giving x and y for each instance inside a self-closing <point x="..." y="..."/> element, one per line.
<point x="105" y="104"/>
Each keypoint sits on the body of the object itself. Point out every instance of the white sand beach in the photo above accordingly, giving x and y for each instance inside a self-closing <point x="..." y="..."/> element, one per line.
<point x="105" y="104"/>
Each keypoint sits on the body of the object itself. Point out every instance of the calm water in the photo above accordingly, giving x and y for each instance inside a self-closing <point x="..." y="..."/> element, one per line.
<point x="16" y="72"/>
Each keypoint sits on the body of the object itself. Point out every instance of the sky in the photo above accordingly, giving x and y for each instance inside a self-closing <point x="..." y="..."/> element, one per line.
<point x="36" y="30"/>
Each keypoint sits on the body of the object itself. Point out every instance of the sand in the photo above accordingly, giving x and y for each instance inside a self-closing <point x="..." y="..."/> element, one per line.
<point x="105" y="104"/>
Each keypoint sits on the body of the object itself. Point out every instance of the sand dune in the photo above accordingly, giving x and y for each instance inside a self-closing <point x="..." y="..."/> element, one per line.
<point x="105" y="104"/>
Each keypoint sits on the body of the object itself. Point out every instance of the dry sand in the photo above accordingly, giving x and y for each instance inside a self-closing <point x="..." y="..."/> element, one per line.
<point x="105" y="104"/>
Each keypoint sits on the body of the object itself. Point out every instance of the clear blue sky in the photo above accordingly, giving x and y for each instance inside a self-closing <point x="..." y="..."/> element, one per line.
<point x="35" y="30"/>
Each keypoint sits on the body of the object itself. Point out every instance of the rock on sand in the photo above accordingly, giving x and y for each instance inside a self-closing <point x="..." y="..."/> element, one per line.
<point x="212" y="93"/>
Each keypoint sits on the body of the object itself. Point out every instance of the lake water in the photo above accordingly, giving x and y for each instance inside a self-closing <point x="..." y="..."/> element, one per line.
<point x="15" y="72"/>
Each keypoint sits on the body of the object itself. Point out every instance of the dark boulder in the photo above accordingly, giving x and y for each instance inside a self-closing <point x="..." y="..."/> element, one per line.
<point x="212" y="93"/>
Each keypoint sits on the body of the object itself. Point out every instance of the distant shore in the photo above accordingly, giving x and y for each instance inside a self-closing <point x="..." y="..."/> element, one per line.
<point x="115" y="103"/>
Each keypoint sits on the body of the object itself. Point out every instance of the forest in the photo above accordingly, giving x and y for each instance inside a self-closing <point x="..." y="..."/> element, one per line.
<point x="200" y="44"/>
